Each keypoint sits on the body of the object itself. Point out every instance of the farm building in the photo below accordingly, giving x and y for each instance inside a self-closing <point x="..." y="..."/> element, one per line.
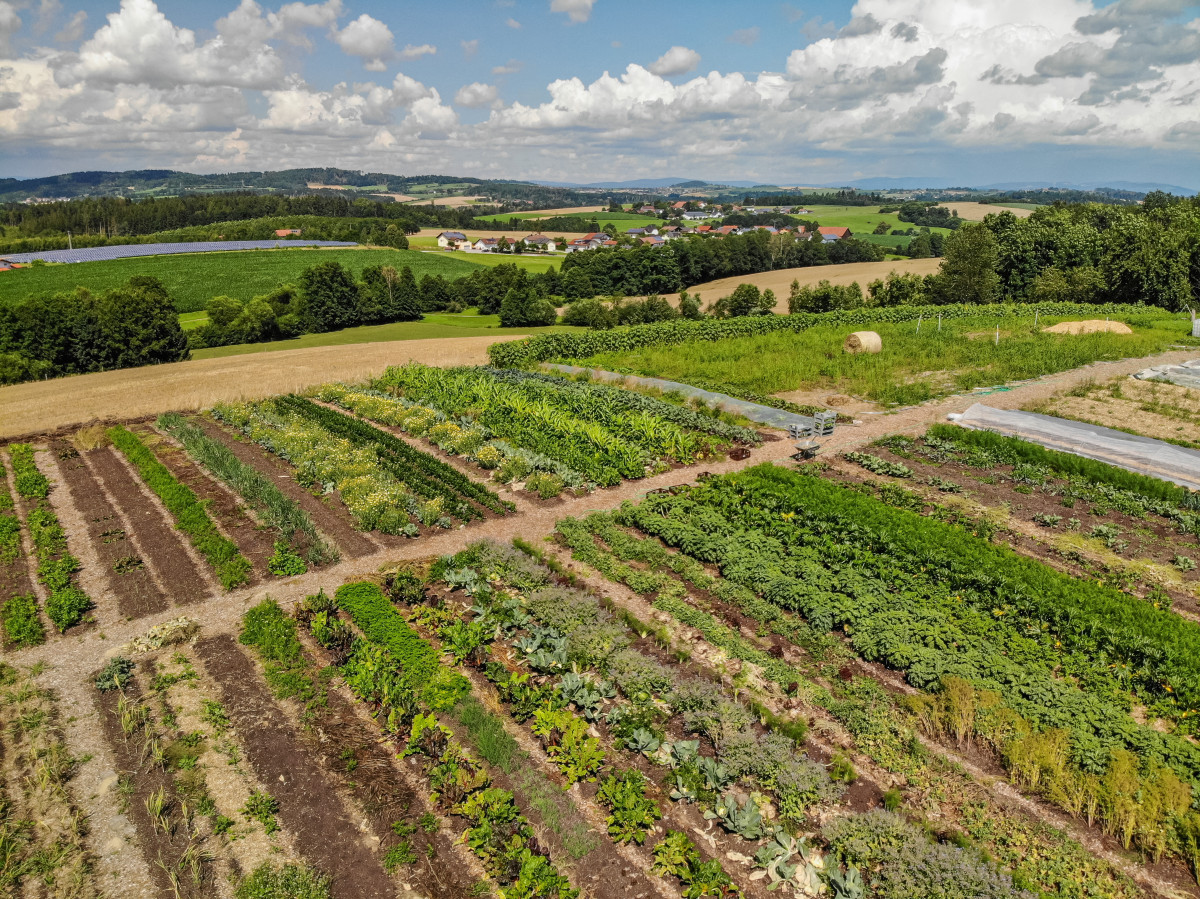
<point x="831" y="234"/>
<point x="449" y="240"/>
<point x="287" y="232"/>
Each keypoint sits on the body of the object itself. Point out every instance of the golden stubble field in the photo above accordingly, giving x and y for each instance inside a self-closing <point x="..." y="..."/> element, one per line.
<point x="41" y="406"/>
<point x="781" y="280"/>
<point x="974" y="212"/>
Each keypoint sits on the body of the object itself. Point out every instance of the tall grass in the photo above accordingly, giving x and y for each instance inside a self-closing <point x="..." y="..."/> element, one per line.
<point x="189" y="513"/>
<point x="277" y="510"/>
<point x="913" y="366"/>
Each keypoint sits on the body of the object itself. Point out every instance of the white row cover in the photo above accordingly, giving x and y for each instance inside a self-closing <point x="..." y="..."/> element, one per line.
<point x="1132" y="452"/>
<point x="1185" y="375"/>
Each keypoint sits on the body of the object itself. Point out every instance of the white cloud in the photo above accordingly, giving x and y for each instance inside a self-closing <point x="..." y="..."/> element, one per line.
<point x="676" y="61"/>
<point x="416" y="52"/>
<point x="407" y="91"/>
<point x="370" y="39"/>
<point x="512" y="23"/>
<point x="476" y="94"/>
<point x="140" y="45"/>
<point x="10" y="24"/>
<point x="576" y="10"/>
<point x="73" y="30"/>
<point x="469" y="47"/>
<point x="509" y="68"/>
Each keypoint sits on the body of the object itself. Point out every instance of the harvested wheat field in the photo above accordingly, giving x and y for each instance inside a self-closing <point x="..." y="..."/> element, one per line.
<point x="40" y="406"/>
<point x="974" y="212"/>
<point x="781" y="280"/>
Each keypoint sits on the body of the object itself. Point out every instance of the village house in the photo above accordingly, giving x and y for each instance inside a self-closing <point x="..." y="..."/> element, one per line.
<point x="540" y="241"/>
<point x="647" y="210"/>
<point x="696" y="214"/>
<point x="486" y="245"/>
<point x="653" y="240"/>
<point x="287" y="232"/>
<point x="449" y="240"/>
<point x="832" y="235"/>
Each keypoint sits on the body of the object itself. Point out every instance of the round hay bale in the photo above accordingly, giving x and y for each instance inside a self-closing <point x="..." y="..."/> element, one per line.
<point x="863" y="342"/>
<point x="1091" y="326"/>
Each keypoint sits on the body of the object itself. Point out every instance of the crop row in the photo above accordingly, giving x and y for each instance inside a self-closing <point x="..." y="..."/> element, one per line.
<point x="10" y="523"/>
<point x="881" y="726"/>
<point x="584" y="660"/>
<point x="191" y="516"/>
<point x="842" y="560"/>
<point x="422" y="472"/>
<point x="604" y="441"/>
<point x="461" y="437"/>
<point x="56" y="566"/>
<point x="291" y="523"/>
<point x="580" y="345"/>
<point x="376" y="498"/>
<point x="400" y="676"/>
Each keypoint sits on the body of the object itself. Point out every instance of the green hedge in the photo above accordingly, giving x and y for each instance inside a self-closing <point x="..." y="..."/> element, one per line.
<point x="377" y="618"/>
<point x="580" y="345"/>
<point x="191" y="517"/>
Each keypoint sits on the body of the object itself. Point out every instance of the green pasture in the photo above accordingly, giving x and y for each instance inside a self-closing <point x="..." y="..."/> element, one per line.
<point x="193" y="279"/>
<point x="914" y="366"/>
<point x="466" y="324"/>
<point x="859" y="219"/>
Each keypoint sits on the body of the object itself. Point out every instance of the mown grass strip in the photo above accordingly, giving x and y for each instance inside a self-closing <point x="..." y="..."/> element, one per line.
<point x="279" y="511"/>
<point x="231" y="567"/>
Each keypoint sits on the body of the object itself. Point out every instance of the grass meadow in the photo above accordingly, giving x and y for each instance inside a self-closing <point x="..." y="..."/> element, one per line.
<point x="195" y="278"/>
<point x="913" y="367"/>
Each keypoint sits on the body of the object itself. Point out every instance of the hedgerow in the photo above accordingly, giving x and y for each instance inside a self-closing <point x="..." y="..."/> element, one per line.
<point x="580" y="345"/>
<point x="191" y="517"/>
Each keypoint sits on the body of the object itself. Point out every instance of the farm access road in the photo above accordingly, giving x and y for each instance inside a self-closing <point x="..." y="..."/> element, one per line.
<point x="38" y="407"/>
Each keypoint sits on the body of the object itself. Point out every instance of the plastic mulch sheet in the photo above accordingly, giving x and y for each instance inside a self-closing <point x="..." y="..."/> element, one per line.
<point x="1185" y="375"/>
<point x="1132" y="452"/>
<point x="774" y="418"/>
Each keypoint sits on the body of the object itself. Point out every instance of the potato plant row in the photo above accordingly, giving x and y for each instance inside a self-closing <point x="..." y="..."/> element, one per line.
<point x="880" y="724"/>
<point x="605" y="441"/>
<point x="842" y="560"/>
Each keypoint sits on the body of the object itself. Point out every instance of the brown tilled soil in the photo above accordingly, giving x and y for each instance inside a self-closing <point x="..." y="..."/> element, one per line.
<point x="254" y="540"/>
<point x="158" y="848"/>
<point x="161" y="545"/>
<point x="308" y="804"/>
<point x="329" y="514"/>
<point x="134" y="588"/>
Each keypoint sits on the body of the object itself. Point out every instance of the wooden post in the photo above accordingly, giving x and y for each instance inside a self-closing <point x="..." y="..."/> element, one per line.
<point x="997" y="335"/>
<point x="919" y="317"/>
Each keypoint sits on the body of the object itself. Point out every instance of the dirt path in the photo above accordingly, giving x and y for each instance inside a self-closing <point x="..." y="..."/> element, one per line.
<point x="43" y="406"/>
<point x="325" y="835"/>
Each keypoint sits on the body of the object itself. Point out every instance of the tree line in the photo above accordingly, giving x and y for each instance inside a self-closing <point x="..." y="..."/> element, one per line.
<point x="74" y="333"/>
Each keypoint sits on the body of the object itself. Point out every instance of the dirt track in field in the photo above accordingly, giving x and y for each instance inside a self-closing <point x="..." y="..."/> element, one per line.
<point x="45" y="406"/>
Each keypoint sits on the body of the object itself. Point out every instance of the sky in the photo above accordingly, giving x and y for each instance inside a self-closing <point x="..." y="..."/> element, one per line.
<point x="958" y="91"/>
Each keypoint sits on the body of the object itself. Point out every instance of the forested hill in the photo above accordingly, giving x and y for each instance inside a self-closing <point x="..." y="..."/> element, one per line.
<point x="166" y="182"/>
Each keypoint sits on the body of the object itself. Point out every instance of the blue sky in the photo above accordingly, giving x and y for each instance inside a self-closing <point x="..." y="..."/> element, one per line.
<point x="581" y="90"/>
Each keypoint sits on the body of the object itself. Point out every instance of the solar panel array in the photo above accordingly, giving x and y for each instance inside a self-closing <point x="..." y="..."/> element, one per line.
<point x="99" y="254"/>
